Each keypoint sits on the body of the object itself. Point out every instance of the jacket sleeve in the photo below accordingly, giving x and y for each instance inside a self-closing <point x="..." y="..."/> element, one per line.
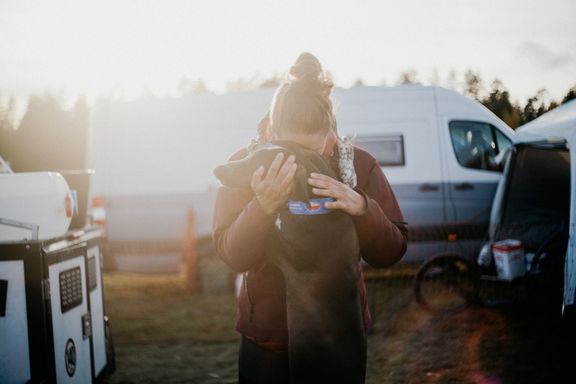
<point x="382" y="232"/>
<point x="240" y="228"/>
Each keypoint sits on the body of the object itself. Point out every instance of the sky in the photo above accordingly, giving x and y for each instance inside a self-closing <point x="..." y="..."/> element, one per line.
<point x="127" y="47"/>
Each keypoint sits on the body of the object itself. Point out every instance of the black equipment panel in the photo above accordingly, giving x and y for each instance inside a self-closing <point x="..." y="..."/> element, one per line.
<point x="3" y="297"/>
<point x="70" y="289"/>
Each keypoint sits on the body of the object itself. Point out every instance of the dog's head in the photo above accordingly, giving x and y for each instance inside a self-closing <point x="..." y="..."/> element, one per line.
<point x="238" y="173"/>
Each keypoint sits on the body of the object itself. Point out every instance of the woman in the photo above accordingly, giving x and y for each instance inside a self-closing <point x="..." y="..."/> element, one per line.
<point x="302" y="112"/>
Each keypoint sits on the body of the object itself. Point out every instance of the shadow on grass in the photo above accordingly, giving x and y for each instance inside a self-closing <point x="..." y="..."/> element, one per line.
<point x="505" y="343"/>
<point x="164" y="334"/>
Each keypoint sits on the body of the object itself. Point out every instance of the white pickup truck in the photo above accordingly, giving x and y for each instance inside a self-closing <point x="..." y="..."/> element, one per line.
<point x="34" y="205"/>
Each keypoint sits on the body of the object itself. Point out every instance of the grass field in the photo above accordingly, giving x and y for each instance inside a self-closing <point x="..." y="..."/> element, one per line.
<point x="164" y="334"/>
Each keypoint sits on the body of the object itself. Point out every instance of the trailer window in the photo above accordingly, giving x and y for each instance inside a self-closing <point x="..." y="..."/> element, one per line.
<point x="387" y="150"/>
<point x="477" y="144"/>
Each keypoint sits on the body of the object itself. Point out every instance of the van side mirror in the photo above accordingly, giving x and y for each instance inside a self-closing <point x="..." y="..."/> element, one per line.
<point x="500" y="159"/>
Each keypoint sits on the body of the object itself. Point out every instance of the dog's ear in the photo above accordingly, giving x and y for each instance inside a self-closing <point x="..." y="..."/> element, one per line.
<point x="238" y="173"/>
<point x="233" y="174"/>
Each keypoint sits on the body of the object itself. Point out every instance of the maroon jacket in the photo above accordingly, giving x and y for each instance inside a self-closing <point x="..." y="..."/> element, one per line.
<point x="241" y="226"/>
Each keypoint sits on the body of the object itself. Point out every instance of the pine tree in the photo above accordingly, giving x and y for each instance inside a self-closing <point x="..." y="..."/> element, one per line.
<point x="571" y="95"/>
<point x="408" y="77"/>
<point x="7" y="128"/>
<point x="472" y="85"/>
<point x="536" y="106"/>
<point x="50" y="137"/>
<point x="498" y="101"/>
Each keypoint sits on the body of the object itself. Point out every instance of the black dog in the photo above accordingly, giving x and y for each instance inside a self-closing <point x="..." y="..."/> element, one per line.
<point x="318" y="252"/>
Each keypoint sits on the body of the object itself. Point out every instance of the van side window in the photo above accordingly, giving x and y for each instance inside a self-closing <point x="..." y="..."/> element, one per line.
<point x="502" y="142"/>
<point x="388" y="150"/>
<point x="476" y="144"/>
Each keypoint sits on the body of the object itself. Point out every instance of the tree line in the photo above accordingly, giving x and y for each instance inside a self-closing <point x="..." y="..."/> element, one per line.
<point x="496" y="98"/>
<point x="48" y="137"/>
<point x="51" y="136"/>
<point x="499" y="102"/>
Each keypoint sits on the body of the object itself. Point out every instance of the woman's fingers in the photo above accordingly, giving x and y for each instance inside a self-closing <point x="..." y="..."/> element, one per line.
<point x="279" y="178"/>
<point x="346" y="199"/>
<point x="257" y="177"/>
<point x="327" y="192"/>
<point x="319" y="176"/>
<point x="319" y="183"/>
<point x="289" y="177"/>
<point x="274" y="168"/>
<point x="322" y="181"/>
<point x="273" y="189"/>
<point x="335" y="205"/>
<point x="285" y="170"/>
<point x="326" y="186"/>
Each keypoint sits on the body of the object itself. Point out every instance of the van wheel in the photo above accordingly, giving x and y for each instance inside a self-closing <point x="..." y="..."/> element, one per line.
<point x="447" y="283"/>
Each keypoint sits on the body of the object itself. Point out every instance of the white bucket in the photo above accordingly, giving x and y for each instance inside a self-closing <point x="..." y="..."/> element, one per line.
<point x="509" y="259"/>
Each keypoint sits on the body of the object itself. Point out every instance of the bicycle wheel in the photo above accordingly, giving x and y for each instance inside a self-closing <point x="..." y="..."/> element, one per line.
<point x="446" y="283"/>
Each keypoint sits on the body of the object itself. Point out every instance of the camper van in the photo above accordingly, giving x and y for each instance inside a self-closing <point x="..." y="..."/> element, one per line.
<point x="440" y="152"/>
<point x="437" y="147"/>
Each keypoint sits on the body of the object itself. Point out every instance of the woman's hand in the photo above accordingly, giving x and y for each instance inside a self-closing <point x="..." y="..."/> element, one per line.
<point x="273" y="190"/>
<point x="346" y="198"/>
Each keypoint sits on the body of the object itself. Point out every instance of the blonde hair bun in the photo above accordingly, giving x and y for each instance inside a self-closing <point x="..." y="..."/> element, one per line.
<point x="307" y="73"/>
<point x="306" y="65"/>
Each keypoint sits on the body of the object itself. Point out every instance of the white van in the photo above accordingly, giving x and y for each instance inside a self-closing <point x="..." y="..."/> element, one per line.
<point x="435" y="146"/>
<point x="439" y="152"/>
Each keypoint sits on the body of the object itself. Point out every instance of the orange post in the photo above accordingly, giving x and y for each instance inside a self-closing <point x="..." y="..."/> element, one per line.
<point x="190" y="255"/>
<point x="99" y="211"/>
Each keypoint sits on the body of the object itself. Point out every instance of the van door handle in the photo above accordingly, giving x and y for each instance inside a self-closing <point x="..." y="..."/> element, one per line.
<point x="464" y="187"/>
<point x="428" y="188"/>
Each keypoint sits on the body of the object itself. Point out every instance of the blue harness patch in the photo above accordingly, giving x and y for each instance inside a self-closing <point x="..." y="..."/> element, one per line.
<point x="316" y="206"/>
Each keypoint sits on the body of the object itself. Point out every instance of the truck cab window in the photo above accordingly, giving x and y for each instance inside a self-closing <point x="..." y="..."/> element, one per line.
<point x="477" y="144"/>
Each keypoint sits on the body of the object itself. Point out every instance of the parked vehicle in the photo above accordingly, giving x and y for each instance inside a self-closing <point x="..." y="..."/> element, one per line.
<point x="437" y="147"/>
<point x="534" y="212"/>
<point x="53" y="326"/>
<point x="439" y="150"/>
<point x="34" y="205"/>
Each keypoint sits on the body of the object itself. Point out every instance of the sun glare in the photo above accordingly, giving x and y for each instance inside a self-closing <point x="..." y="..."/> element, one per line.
<point x="131" y="47"/>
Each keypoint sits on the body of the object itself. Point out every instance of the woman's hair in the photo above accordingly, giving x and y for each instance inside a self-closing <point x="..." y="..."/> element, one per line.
<point x="302" y="103"/>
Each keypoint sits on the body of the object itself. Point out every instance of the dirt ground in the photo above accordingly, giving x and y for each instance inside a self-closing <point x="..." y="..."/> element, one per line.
<point x="164" y="334"/>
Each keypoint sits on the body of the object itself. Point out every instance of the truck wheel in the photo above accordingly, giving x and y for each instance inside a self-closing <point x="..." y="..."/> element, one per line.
<point x="446" y="283"/>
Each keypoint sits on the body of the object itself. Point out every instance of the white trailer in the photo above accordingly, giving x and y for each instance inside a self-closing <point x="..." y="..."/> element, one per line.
<point x="53" y="326"/>
<point x="52" y="318"/>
